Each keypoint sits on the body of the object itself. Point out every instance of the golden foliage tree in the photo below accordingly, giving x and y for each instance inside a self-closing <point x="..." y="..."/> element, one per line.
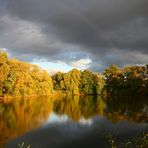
<point x="79" y="82"/>
<point x="22" y="79"/>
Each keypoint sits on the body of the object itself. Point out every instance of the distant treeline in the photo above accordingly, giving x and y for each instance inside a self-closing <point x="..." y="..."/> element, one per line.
<point x="115" y="80"/>
<point x="23" y="79"/>
<point x="127" y="80"/>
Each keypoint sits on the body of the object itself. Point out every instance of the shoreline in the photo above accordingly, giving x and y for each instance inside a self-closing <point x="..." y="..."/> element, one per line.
<point x="8" y="98"/>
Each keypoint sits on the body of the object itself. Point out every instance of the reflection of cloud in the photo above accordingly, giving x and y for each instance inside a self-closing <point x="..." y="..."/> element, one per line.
<point x="74" y="135"/>
<point x="86" y="121"/>
<point x="54" y="118"/>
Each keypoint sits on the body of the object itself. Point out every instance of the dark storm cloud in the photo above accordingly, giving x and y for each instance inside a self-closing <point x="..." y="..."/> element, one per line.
<point x="110" y="31"/>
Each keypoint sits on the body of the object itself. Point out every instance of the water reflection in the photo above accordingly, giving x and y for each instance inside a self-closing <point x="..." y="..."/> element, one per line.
<point x="77" y="135"/>
<point x="24" y="115"/>
<point x="77" y="107"/>
<point x="131" y="108"/>
<point x="115" y="109"/>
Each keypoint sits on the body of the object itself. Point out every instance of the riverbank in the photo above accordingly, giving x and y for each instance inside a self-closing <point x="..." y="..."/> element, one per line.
<point x="8" y="99"/>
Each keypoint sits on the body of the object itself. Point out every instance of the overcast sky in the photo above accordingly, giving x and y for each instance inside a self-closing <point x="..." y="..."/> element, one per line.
<point x="75" y="33"/>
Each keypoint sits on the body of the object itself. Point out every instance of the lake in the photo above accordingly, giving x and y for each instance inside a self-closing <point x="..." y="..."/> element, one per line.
<point x="74" y="122"/>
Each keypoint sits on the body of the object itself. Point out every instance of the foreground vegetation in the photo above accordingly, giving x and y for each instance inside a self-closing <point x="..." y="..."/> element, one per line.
<point x="139" y="141"/>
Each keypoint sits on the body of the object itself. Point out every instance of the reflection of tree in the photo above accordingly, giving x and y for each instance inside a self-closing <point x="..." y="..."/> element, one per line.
<point x="133" y="108"/>
<point x="115" y="108"/>
<point x="68" y="106"/>
<point x="77" y="107"/>
<point x="22" y="116"/>
<point x="91" y="105"/>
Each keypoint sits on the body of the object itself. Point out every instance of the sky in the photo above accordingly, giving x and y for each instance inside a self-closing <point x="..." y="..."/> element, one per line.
<point x="84" y="34"/>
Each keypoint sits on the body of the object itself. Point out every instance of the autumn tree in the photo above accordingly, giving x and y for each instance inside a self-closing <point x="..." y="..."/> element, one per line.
<point x="114" y="78"/>
<point x="78" y="82"/>
<point x="22" y="79"/>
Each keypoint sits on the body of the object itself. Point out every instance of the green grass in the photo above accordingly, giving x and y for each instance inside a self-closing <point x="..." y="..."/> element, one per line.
<point x="140" y="141"/>
<point x="22" y="145"/>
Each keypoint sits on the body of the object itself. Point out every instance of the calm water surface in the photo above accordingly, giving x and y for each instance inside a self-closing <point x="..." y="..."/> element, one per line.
<point x="74" y="121"/>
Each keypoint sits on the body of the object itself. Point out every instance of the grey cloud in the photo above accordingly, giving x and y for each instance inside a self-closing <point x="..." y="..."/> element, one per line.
<point x="95" y="28"/>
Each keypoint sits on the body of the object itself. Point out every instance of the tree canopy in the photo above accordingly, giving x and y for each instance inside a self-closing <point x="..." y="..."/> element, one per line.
<point x="79" y="82"/>
<point x="132" y="79"/>
<point x="116" y="80"/>
<point x="22" y="79"/>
